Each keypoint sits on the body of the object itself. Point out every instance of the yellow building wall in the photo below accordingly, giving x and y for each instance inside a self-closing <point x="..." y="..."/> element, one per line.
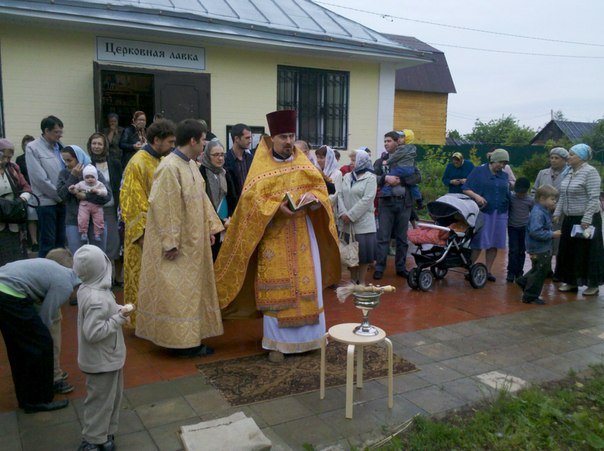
<point x="46" y="72"/>
<point x="423" y="112"/>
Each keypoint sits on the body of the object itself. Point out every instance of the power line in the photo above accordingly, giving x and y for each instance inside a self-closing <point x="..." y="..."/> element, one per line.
<point x="458" y="27"/>
<point x="510" y="52"/>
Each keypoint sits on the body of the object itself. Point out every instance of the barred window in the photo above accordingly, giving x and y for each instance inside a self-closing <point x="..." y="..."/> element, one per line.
<point x="321" y="99"/>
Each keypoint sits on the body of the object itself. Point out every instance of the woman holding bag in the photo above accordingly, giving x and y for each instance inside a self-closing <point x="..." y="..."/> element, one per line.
<point x="356" y="211"/>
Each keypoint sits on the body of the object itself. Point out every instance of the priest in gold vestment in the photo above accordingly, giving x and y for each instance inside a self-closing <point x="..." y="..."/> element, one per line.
<point x="177" y="300"/>
<point x="134" y="201"/>
<point x="273" y="257"/>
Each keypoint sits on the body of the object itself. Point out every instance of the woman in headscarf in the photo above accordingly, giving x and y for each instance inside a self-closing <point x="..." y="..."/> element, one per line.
<point x="489" y="186"/>
<point x="329" y="167"/>
<point x="456" y="173"/>
<point x="111" y="169"/>
<point x="580" y="260"/>
<point x="220" y="187"/>
<point x="12" y="185"/>
<point x="133" y="137"/>
<point x="75" y="160"/>
<point x="356" y="210"/>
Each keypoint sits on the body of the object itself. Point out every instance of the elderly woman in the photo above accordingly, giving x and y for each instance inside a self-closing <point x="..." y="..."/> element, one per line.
<point x="111" y="170"/>
<point x="456" y="173"/>
<point x="114" y="134"/>
<point x="133" y="138"/>
<point x="580" y="260"/>
<point x="12" y="185"/>
<point x="75" y="160"/>
<point x="489" y="186"/>
<point x="220" y="187"/>
<point x="356" y="210"/>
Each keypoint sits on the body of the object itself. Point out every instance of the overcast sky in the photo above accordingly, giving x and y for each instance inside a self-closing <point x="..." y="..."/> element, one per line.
<point x="490" y="85"/>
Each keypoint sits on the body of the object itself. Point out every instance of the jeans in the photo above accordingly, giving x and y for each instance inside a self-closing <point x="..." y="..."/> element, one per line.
<point x="51" y="227"/>
<point x="393" y="220"/>
<point x="74" y="238"/>
<point x="540" y="268"/>
<point x="516" y="251"/>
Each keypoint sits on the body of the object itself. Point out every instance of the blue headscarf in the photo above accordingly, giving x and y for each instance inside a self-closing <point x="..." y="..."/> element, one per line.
<point x="583" y="151"/>
<point x="82" y="156"/>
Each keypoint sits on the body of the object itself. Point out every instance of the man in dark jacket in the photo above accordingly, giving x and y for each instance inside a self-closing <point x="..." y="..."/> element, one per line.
<point x="239" y="158"/>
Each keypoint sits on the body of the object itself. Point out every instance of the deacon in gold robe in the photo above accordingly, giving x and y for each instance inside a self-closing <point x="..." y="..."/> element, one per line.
<point x="134" y="201"/>
<point x="280" y="259"/>
<point x="177" y="300"/>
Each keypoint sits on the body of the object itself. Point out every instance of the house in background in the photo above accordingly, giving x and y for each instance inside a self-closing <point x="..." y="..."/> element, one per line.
<point x="222" y="61"/>
<point x="422" y="94"/>
<point x="556" y="130"/>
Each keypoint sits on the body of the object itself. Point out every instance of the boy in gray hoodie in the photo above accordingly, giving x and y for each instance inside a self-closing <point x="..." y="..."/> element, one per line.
<point x="101" y="348"/>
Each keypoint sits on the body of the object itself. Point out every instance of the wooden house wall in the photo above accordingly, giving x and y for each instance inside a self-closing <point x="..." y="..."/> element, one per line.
<point x="423" y="112"/>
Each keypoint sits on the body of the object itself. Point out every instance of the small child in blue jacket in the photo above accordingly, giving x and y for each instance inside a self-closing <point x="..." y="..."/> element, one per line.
<point x="539" y="236"/>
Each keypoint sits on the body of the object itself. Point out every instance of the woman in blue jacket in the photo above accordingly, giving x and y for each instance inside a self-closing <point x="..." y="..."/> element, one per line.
<point x="456" y="173"/>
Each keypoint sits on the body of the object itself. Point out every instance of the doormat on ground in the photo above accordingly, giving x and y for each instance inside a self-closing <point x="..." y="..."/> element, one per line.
<point x="251" y="379"/>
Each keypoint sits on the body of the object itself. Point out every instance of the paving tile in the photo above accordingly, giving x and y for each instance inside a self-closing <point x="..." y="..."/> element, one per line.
<point x="130" y="422"/>
<point x="139" y="441"/>
<point x="163" y="412"/>
<point x="402" y="411"/>
<point x="371" y="390"/>
<point x="433" y="399"/>
<point x="501" y="357"/>
<point x="596" y="349"/>
<point x="532" y="373"/>
<point x="9" y="424"/>
<point x="440" y="351"/>
<point x="207" y="401"/>
<point x="35" y="421"/>
<point x="467" y="328"/>
<point x="147" y="394"/>
<point x="11" y="443"/>
<point x="405" y="382"/>
<point x="436" y="373"/>
<point x="191" y="384"/>
<point x="557" y="364"/>
<point x="411" y="355"/>
<point x="277" y="443"/>
<point x="362" y="421"/>
<point x="439" y="334"/>
<point x="582" y="358"/>
<point x="470" y="345"/>
<point x="167" y="438"/>
<point x="246" y="410"/>
<point x="469" y="389"/>
<point x="468" y="365"/>
<point x="282" y="410"/>
<point x="412" y="339"/>
<point x="66" y="435"/>
<point x="307" y="431"/>
<point x="334" y="399"/>
<point x="502" y="381"/>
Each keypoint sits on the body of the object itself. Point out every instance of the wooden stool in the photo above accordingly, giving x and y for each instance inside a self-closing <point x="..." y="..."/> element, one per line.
<point x="344" y="334"/>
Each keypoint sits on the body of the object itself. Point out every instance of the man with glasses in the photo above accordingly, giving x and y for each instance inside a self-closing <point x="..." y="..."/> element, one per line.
<point x="44" y="162"/>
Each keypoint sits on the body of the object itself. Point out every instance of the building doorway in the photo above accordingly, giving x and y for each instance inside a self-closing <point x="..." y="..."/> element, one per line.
<point x="174" y="95"/>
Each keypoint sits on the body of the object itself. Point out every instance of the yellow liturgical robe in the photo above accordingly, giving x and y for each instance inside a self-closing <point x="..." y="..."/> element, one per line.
<point x="266" y="255"/>
<point x="177" y="300"/>
<point x="134" y="203"/>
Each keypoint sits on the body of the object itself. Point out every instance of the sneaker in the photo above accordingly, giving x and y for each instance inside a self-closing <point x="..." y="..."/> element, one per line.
<point x="591" y="291"/>
<point x="84" y="237"/>
<point x="97" y="238"/>
<point x="45" y="406"/>
<point x="509" y="279"/>
<point x="61" y="387"/>
<point x="567" y="287"/>
<point x="377" y="275"/>
<point x="537" y="301"/>
<point x="85" y="446"/>
<point x="491" y="277"/>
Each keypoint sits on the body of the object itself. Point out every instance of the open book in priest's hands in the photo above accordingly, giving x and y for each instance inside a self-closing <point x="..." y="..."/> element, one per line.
<point x="305" y="200"/>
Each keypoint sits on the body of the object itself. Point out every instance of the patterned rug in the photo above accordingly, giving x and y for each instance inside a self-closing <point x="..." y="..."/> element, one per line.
<point x="251" y="379"/>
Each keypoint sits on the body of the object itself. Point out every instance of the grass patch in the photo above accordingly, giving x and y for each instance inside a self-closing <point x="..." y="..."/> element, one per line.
<point x="562" y="415"/>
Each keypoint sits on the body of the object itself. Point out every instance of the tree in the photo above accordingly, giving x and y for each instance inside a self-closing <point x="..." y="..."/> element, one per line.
<point x="595" y="138"/>
<point x="559" y="116"/>
<point x="454" y="134"/>
<point x="505" y="131"/>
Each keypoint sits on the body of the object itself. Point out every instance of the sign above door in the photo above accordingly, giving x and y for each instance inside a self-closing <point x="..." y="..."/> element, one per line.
<point x="150" y="53"/>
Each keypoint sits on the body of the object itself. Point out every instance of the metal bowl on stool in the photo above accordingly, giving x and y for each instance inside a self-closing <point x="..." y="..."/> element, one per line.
<point x="366" y="301"/>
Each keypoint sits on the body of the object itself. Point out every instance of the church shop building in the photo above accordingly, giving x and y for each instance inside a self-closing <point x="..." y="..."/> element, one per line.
<point x="225" y="61"/>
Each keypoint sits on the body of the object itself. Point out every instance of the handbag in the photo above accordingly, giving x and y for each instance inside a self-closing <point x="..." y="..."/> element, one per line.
<point x="349" y="251"/>
<point x="14" y="211"/>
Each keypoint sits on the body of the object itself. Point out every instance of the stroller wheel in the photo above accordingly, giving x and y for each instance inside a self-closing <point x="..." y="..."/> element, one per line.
<point x="425" y="280"/>
<point x="412" y="278"/>
<point x="478" y="275"/>
<point x="439" y="273"/>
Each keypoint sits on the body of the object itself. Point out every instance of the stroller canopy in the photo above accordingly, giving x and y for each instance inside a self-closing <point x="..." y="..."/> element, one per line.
<point x="444" y="209"/>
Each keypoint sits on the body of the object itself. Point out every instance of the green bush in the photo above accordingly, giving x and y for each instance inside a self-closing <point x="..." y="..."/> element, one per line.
<point x="432" y="167"/>
<point x="531" y="167"/>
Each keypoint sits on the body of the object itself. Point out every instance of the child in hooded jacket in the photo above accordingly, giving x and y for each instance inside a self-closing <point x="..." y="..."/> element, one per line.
<point x="101" y="348"/>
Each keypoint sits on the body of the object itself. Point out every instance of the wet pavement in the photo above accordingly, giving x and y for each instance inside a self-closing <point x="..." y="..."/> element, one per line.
<point x="466" y="344"/>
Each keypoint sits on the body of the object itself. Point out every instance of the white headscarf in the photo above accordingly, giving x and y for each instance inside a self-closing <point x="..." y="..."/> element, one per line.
<point x="331" y="164"/>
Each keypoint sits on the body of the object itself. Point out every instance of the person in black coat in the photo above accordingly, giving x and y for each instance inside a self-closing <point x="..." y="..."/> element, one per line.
<point x="239" y="158"/>
<point x="220" y="187"/>
<point x="133" y="138"/>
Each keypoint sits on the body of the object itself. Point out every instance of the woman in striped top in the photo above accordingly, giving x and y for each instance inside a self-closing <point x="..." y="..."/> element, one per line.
<point x="580" y="261"/>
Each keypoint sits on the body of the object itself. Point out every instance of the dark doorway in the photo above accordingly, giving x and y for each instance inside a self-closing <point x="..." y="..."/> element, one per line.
<point x="174" y="95"/>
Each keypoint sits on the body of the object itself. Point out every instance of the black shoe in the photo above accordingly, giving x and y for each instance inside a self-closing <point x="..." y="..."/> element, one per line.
<point x="61" y="387"/>
<point x="197" y="351"/>
<point x="35" y="248"/>
<point x="491" y="277"/>
<point x="521" y="282"/>
<point x="377" y="275"/>
<point x="109" y="445"/>
<point x="539" y="301"/>
<point x="404" y="273"/>
<point x="45" y="406"/>
<point x="509" y="279"/>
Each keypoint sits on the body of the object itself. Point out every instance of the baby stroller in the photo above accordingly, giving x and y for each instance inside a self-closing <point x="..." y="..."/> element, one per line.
<point x="446" y="244"/>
